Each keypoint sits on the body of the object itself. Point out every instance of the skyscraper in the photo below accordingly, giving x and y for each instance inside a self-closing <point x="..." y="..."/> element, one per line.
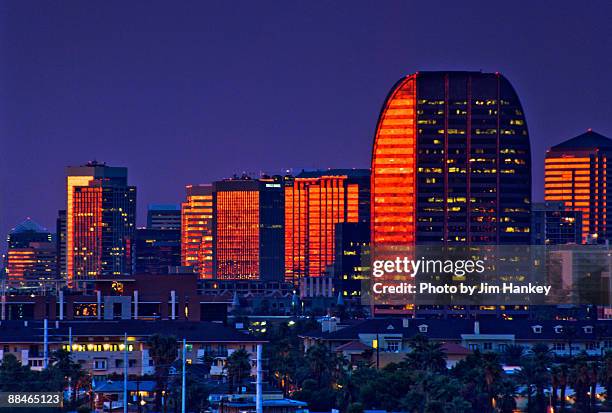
<point x="577" y="174"/>
<point x="60" y="241"/>
<point x="100" y="221"/>
<point x="352" y="241"/>
<point x="249" y="229"/>
<point x="553" y="224"/>
<point x="164" y="216"/>
<point x="451" y="162"/>
<point x="314" y="203"/>
<point x="197" y="230"/>
<point x="31" y="255"/>
<point x="156" y="250"/>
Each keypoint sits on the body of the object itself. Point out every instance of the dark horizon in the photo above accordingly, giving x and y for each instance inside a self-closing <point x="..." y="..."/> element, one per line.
<point x="197" y="92"/>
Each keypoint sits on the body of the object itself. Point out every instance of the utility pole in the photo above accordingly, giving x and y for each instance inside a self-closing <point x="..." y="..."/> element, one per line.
<point x="125" y="374"/>
<point x="377" y="352"/>
<point x="46" y="344"/>
<point x="258" y="383"/>
<point x="183" y="385"/>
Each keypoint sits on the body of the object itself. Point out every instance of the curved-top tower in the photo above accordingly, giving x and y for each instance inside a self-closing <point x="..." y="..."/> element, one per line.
<point x="451" y="162"/>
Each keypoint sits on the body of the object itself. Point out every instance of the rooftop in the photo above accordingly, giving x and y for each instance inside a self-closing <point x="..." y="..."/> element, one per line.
<point x="587" y="140"/>
<point x="29" y="225"/>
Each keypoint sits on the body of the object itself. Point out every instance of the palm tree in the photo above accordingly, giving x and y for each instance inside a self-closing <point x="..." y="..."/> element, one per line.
<point x="426" y="355"/>
<point x="319" y="361"/>
<point x="563" y="380"/>
<point x="492" y="374"/>
<point x="542" y="359"/>
<point x="513" y="354"/>
<point x="163" y="350"/>
<point x="238" y="366"/>
<point x="580" y="382"/>
<point x="606" y="375"/>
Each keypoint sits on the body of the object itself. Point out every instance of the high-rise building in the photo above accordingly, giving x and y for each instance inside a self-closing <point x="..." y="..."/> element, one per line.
<point x="553" y="224"/>
<point x="314" y="203"/>
<point x="451" y="162"/>
<point x="31" y="255"/>
<point x="249" y="229"/>
<point x="577" y="174"/>
<point x="164" y="216"/>
<point x="197" y="230"/>
<point x="351" y="265"/>
<point x="156" y="250"/>
<point x="100" y="221"/>
<point x="60" y="240"/>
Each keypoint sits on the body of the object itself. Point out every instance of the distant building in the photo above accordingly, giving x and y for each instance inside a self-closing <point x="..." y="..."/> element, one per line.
<point x="553" y="224"/>
<point x="164" y="216"/>
<point x="577" y="173"/>
<point x="315" y="202"/>
<point x="351" y="265"/>
<point x="249" y="229"/>
<point x="100" y="221"/>
<point x="197" y="230"/>
<point x="31" y="255"/>
<point x="60" y="242"/>
<point x="26" y="232"/>
<point x="156" y="250"/>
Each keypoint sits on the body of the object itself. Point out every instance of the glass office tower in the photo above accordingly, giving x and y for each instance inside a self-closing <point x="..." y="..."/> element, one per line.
<point x="451" y="162"/>
<point x="100" y="221"/>
<point x="577" y="174"/>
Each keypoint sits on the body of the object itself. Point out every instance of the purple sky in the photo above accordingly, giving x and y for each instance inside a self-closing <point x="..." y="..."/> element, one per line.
<point x="196" y="91"/>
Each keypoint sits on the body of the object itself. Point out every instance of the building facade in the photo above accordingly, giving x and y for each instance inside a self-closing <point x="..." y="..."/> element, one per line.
<point x="197" y="230"/>
<point x="577" y="174"/>
<point x="351" y="266"/>
<point x="553" y="224"/>
<point x="155" y="250"/>
<point x="100" y="222"/>
<point x="451" y="162"/>
<point x="164" y="216"/>
<point x="315" y="202"/>
<point x="60" y="242"/>
<point x="249" y="229"/>
<point x="31" y="255"/>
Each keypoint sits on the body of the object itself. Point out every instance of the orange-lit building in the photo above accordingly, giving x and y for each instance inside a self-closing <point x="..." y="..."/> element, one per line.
<point x="197" y="230"/>
<point x="451" y="162"/>
<point x="31" y="254"/>
<point x="577" y="174"/>
<point x="315" y="202"/>
<point x="249" y="229"/>
<point x="100" y="221"/>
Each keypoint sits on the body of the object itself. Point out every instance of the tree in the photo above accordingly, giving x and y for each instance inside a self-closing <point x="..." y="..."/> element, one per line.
<point x="513" y="354"/>
<point x="66" y="372"/>
<point x="163" y="350"/>
<point x="426" y="355"/>
<point x="238" y="366"/>
<point x="605" y="376"/>
<point x="13" y="376"/>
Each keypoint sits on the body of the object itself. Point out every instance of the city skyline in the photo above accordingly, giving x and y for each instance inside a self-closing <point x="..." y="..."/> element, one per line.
<point x="136" y="116"/>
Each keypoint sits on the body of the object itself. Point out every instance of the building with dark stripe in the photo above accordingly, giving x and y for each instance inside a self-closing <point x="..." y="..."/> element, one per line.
<point x="451" y="162"/>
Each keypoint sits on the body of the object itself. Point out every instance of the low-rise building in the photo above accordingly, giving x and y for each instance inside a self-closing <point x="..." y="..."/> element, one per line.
<point x="100" y="346"/>
<point x="388" y="339"/>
